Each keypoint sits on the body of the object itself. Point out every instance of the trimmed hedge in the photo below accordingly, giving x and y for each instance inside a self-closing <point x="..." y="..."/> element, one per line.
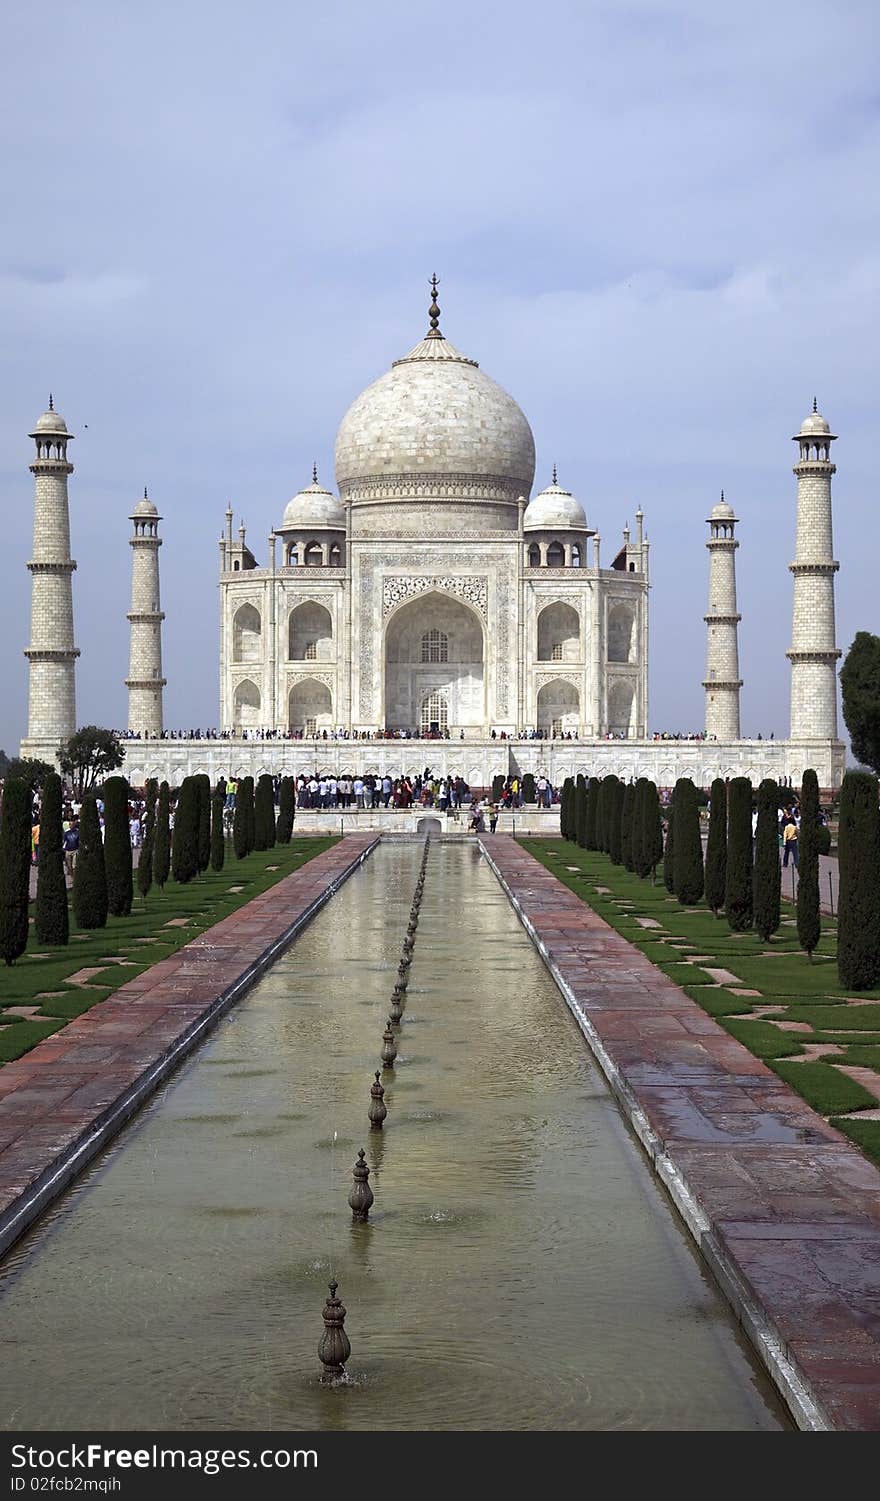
<point x="117" y="847"/>
<point x="858" y="851"/>
<point x="15" y="868"/>
<point x="765" y="892"/>
<point x="687" y="862"/>
<point x="145" y="859"/>
<point x="162" y="843"/>
<point x="89" y="895"/>
<point x="809" y="923"/>
<point x="51" y="916"/>
<point x="716" y="846"/>
<point x="738" y="885"/>
<point x="185" y="846"/>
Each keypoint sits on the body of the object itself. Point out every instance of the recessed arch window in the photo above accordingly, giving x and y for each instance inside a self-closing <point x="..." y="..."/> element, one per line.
<point x="435" y="646"/>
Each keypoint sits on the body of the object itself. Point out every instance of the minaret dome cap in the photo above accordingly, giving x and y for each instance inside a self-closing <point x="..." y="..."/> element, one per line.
<point x="814" y="424"/>
<point x="50" y="423"/>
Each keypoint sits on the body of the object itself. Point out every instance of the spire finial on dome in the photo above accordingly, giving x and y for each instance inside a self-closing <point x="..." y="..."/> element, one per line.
<point x="554" y="474"/>
<point x="314" y="474"/>
<point x="51" y="403"/>
<point x="146" y="496"/>
<point x="722" y="496"/>
<point x="434" y="311"/>
<point x="815" y="405"/>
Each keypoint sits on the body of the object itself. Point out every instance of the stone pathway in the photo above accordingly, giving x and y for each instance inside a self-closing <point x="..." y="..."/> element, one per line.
<point x="62" y="1101"/>
<point x="786" y="1211"/>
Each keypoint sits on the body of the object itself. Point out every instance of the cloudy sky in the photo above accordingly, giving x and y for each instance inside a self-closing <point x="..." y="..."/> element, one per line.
<point x="654" y="223"/>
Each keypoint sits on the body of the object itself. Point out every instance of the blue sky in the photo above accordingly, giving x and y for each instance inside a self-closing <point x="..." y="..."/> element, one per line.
<point x="655" y="224"/>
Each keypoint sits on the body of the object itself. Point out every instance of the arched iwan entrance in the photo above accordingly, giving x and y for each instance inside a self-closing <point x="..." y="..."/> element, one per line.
<point x="310" y="707"/>
<point x="434" y="661"/>
<point x="558" y="708"/>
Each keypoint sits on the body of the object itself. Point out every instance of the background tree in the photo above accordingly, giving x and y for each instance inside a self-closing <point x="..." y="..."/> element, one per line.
<point x="89" y="756"/>
<point x="716" y="846"/>
<point x="653" y="829"/>
<point x="687" y="864"/>
<point x="29" y="769"/>
<point x="627" y="811"/>
<point x="615" y="804"/>
<point x="580" y="811"/>
<point x="809" y="924"/>
<point x="89" y="895"/>
<point x="218" y="832"/>
<point x="497" y="786"/>
<point x="242" y="826"/>
<point x="640" y="816"/>
<point x="203" y="795"/>
<point x="117" y="847"/>
<point x="669" y="848"/>
<point x="738" y="885"/>
<point x="51" y="917"/>
<point x="145" y="858"/>
<point x="287" y="810"/>
<point x="162" y="844"/>
<point x="264" y="814"/>
<point x="592" y="811"/>
<point x="15" y="868"/>
<point x="528" y="788"/>
<point x="858" y="853"/>
<point x="765" y="895"/>
<point x="185" y="844"/>
<point x="860" y="689"/>
<point x="564" y="798"/>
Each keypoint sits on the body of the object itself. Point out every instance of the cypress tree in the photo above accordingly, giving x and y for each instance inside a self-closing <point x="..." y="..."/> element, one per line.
<point x="615" y="810"/>
<point x="51" y="919"/>
<point x="497" y="786"/>
<point x="600" y="814"/>
<point x="162" y="838"/>
<point x="687" y="861"/>
<point x="117" y="847"/>
<point x="738" y="883"/>
<point x="287" y="810"/>
<point x="563" y="808"/>
<point x="627" y="819"/>
<point x="809" y="924"/>
<point x="145" y="858"/>
<point x="243" y="824"/>
<point x="15" y="867"/>
<point x="89" y="874"/>
<point x="653" y="848"/>
<point x="204" y="795"/>
<point x="218" y="836"/>
<point x="264" y="814"/>
<point x="716" y="847"/>
<point x="528" y="788"/>
<point x="580" y="812"/>
<point x="765" y="898"/>
<point x="641" y="865"/>
<point x="669" y="848"/>
<point x="592" y="808"/>
<point x="858" y="851"/>
<point x="185" y="845"/>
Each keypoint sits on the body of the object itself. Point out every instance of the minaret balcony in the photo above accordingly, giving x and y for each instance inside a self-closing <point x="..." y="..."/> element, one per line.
<point x="37" y="565"/>
<point x="50" y="654"/>
<point x="816" y="567"/>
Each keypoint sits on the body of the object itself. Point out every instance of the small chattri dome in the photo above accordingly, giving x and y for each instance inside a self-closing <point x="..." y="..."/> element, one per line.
<point x="554" y="509"/>
<point x="814" y="424"/>
<point x="144" y="507"/>
<point x="722" y="511"/>
<point x="51" y="422"/>
<point x="313" y="507"/>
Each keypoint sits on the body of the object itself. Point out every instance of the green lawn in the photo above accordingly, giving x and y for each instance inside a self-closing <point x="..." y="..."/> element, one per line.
<point x="805" y="992"/>
<point x="129" y="945"/>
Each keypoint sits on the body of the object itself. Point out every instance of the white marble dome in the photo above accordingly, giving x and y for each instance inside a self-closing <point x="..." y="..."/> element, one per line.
<point x="311" y="508"/>
<point x="50" y="422"/>
<point x="814" y="424"/>
<point x="555" y="509"/>
<point x="435" y="422"/>
<point x="144" y="508"/>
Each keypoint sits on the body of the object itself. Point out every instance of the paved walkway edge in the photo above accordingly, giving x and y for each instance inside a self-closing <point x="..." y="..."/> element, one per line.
<point x="785" y="1375"/>
<point x="36" y="1198"/>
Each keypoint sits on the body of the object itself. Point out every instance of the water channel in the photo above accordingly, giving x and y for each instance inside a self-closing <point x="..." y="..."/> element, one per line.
<point x="521" y="1269"/>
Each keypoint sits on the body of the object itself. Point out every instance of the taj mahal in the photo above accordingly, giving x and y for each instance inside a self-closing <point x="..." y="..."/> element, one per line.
<point x="431" y="597"/>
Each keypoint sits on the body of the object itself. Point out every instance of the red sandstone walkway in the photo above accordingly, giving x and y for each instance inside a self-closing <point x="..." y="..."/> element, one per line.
<point x="786" y="1210"/>
<point x="64" y="1099"/>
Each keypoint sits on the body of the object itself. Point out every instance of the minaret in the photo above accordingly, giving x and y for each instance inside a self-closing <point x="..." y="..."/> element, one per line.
<point x="145" y="681"/>
<point x="722" y="682"/>
<point x="51" y="654"/>
<point x="813" y="654"/>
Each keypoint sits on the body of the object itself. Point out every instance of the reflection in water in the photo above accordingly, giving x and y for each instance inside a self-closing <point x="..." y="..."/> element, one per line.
<point x="521" y="1267"/>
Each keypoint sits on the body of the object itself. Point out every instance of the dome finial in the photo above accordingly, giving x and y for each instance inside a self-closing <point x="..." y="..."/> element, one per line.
<point x="722" y="495"/>
<point x="146" y="496"/>
<point x="314" y="473"/>
<point x="554" y="474"/>
<point x="51" y="403"/>
<point x="434" y="312"/>
<point x="815" y="405"/>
